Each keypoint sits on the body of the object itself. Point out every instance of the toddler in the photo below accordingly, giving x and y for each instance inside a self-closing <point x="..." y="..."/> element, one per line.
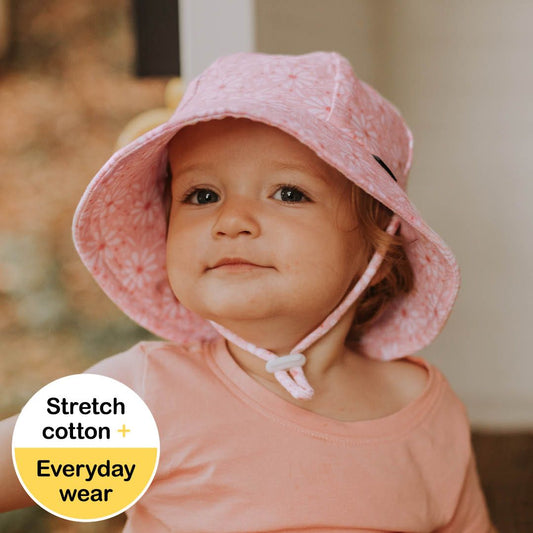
<point x="264" y="231"/>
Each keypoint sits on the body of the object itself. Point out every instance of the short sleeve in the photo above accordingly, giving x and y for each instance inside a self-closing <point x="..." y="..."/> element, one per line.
<point x="471" y="514"/>
<point x="128" y="367"/>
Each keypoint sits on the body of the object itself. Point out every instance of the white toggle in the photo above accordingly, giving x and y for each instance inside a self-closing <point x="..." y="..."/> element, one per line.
<point x="285" y="362"/>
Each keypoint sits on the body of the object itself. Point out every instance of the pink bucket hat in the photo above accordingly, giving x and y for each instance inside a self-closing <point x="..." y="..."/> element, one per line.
<point x="120" y="224"/>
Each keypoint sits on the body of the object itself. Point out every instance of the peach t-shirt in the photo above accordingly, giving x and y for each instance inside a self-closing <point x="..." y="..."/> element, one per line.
<point x="237" y="458"/>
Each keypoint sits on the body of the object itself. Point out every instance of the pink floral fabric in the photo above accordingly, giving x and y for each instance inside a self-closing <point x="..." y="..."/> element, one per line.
<point x="119" y="225"/>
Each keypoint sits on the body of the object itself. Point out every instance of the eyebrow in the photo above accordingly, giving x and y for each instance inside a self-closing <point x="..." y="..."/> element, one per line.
<point x="301" y="167"/>
<point x="192" y="167"/>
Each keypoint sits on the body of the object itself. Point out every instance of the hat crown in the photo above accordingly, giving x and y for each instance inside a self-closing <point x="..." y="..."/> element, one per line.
<point x="319" y="83"/>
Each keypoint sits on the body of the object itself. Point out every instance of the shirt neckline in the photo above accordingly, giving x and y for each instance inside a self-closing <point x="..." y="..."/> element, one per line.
<point x="270" y="404"/>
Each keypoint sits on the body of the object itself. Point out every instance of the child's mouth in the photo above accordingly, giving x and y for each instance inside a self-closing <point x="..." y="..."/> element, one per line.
<point x="235" y="264"/>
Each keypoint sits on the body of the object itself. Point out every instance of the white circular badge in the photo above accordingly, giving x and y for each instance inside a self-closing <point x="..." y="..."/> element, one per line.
<point x="85" y="447"/>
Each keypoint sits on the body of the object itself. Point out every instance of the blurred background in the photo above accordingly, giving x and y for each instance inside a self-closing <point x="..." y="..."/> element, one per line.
<point x="75" y="75"/>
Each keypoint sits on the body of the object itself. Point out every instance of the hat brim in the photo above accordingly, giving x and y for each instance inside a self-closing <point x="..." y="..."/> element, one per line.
<point x="119" y="231"/>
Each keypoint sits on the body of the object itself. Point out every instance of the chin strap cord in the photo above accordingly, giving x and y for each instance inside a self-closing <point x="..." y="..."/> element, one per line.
<point x="282" y="366"/>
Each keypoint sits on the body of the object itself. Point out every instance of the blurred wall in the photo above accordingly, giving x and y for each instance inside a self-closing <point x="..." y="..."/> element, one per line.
<point x="67" y="89"/>
<point x="460" y="72"/>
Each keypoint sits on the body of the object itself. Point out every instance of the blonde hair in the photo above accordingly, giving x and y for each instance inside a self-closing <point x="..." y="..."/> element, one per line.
<point x="395" y="275"/>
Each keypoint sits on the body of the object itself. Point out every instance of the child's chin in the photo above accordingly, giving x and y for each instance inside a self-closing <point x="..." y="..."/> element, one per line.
<point x="233" y="311"/>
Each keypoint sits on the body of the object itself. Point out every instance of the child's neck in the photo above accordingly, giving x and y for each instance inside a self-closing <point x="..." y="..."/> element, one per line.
<point x="326" y="354"/>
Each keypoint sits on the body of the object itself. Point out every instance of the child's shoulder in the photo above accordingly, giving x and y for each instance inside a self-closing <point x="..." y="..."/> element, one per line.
<point x="403" y="382"/>
<point x="131" y="365"/>
<point x="158" y="348"/>
<point x="413" y="378"/>
<point x="136" y="353"/>
<point x="409" y="377"/>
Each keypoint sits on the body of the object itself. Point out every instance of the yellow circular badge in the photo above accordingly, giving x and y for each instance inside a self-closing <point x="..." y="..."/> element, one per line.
<point x="85" y="447"/>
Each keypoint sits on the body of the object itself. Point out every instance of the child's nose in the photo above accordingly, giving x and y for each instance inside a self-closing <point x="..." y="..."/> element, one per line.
<point x="236" y="217"/>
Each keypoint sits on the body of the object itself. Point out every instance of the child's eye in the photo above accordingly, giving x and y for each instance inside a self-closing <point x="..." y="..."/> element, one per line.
<point x="200" y="197"/>
<point x="291" y="194"/>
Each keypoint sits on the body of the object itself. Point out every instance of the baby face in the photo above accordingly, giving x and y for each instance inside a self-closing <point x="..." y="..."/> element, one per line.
<point x="260" y="227"/>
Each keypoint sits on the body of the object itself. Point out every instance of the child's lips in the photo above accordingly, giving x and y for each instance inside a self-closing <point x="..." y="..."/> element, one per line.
<point x="235" y="264"/>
